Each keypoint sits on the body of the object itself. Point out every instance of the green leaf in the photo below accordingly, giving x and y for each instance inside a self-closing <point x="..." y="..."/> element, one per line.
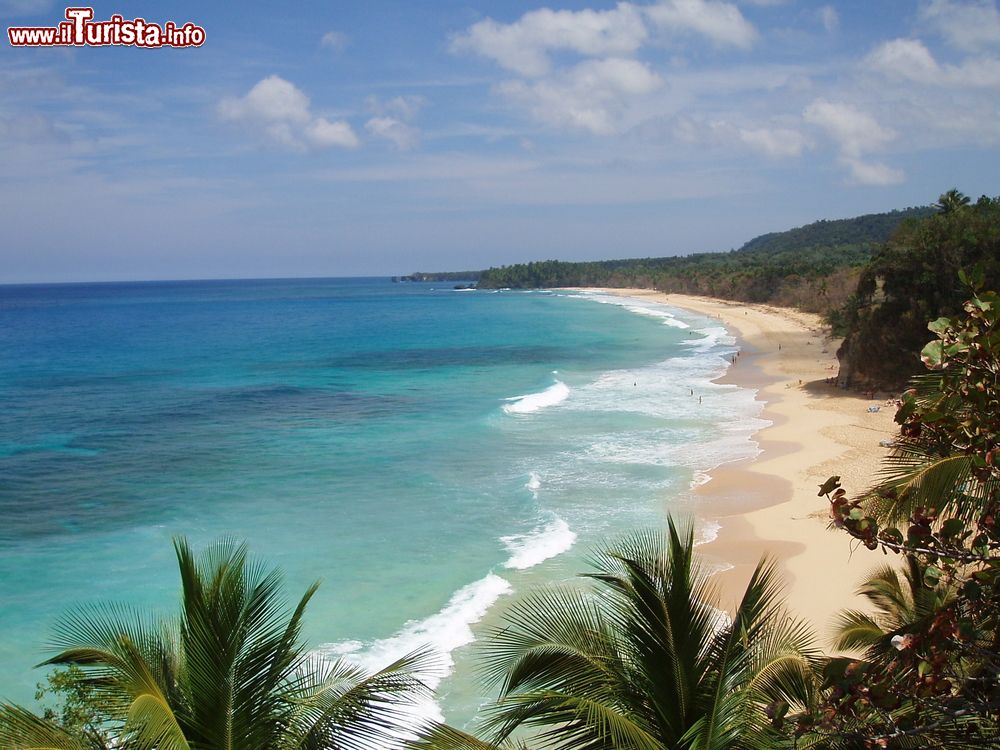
<point x="953" y="527"/>
<point x="829" y="486"/>
<point x="932" y="576"/>
<point x="932" y="355"/>
<point x="941" y="325"/>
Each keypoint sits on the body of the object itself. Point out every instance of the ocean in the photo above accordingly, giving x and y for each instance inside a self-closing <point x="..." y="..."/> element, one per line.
<point x="427" y="453"/>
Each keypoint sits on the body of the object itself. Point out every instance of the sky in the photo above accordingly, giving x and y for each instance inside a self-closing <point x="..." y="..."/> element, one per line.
<point x="382" y="137"/>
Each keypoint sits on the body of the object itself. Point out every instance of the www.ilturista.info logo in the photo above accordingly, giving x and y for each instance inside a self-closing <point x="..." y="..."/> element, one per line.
<point x="80" y="30"/>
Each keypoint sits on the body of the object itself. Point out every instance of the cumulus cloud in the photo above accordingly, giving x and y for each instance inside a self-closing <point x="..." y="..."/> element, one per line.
<point x="335" y="40"/>
<point x="721" y="22"/>
<point x="909" y="59"/>
<point x="590" y="96"/>
<point x="272" y="99"/>
<point x="398" y="133"/>
<point x="283" y="113"/>
<point x="856" y="133"/>
<point x="524" y="45"/>
<point x="322" y="133"/>
<point x="391" y="120"/>
<point x="905" y="58"/>
<point x="598" y="92"/>
<point x="971" y="25"/>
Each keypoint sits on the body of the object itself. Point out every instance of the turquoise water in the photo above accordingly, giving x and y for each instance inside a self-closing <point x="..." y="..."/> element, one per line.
<point x="426" y="453"/>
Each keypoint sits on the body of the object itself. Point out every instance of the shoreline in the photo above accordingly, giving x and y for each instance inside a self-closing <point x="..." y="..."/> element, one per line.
<point x="769" y="505"/>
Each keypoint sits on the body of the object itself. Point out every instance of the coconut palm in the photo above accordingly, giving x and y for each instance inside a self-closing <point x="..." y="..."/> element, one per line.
<point x="642" y="660"/>
<point x="903" y="603"/>
<point x="230" y="672"/>
<point x="951" y="201"/>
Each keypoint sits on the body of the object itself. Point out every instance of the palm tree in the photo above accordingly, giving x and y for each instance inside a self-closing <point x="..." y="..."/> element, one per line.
<point x="903" y="604"/>
<point x="231" y="672"/>
<point x="951" y="201"/>
<point x="642" y="660"/>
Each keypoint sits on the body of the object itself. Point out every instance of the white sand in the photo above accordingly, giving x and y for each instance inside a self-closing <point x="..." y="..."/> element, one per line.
<point x="770" y="505"/>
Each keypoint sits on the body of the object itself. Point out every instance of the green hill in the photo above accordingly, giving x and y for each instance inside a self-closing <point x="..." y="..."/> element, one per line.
<point x="814" y="267"/>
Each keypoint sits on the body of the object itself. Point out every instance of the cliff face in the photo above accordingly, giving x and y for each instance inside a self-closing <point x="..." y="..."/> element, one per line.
<point x="881" y="352"/>
<point x="911" y="281"/>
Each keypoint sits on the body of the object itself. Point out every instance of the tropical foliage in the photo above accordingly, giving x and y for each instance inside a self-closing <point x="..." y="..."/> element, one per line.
<point x="643" y="660"/>
<point x="938" y="682"/>
<point x="900" y="600"/>
<point x="913" y="279"/>
<point x="230" y="672"/>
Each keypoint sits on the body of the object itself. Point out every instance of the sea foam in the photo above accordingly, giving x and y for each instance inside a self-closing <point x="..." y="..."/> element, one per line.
<point x="532" y="402"/>
<point x="442" y="633"/>
<point x="528" y="550"/>
<point x="650" y="308"/>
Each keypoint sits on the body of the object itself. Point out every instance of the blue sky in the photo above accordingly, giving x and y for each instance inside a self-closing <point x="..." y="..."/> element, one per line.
<point x="379" y="138"/>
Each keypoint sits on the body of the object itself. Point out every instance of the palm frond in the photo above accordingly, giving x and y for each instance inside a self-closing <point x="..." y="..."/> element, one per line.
<point x="335" y="704"/>
<point x="22" y="730"/>
<point x="920" y="478"/>
<point x="857" y="630"/>
<point x="444" y="737"/>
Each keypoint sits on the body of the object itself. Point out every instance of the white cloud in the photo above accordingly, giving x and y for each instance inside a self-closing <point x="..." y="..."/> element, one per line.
<point x="403" y="107"/>
<point x="856" y="133"/>
<point x="391" y="119"/>
<point x="775" y="142"/>
<point x="271" y="100"/>
<point x="322" y="133"/>
<point x="402" y="136"/>
<point x="829" y="18"/>
<point x="905" y="58"/>
<point x="335" y="40"/>
<point x="283" y="113"/>
<point x="909" y="59"/>
<point x="719" y="21"/>
<point x="524" y="45"/>
<point x="971" y="25"/>
<point x="591" y="96"/>
<point x="872" y="173"/>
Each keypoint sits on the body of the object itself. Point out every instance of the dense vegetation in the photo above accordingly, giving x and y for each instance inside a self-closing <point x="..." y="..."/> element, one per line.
<point x="930" y="676"/>
<point x="913" y="278"/>
<point x="814" y="267"/>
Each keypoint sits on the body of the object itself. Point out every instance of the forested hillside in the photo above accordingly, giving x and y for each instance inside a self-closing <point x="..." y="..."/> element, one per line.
<point x="814" y="267"/>
<point x="914" y="278"/>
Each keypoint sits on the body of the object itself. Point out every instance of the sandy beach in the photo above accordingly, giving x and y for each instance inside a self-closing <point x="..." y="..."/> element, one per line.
<point x="770" y="505"/>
